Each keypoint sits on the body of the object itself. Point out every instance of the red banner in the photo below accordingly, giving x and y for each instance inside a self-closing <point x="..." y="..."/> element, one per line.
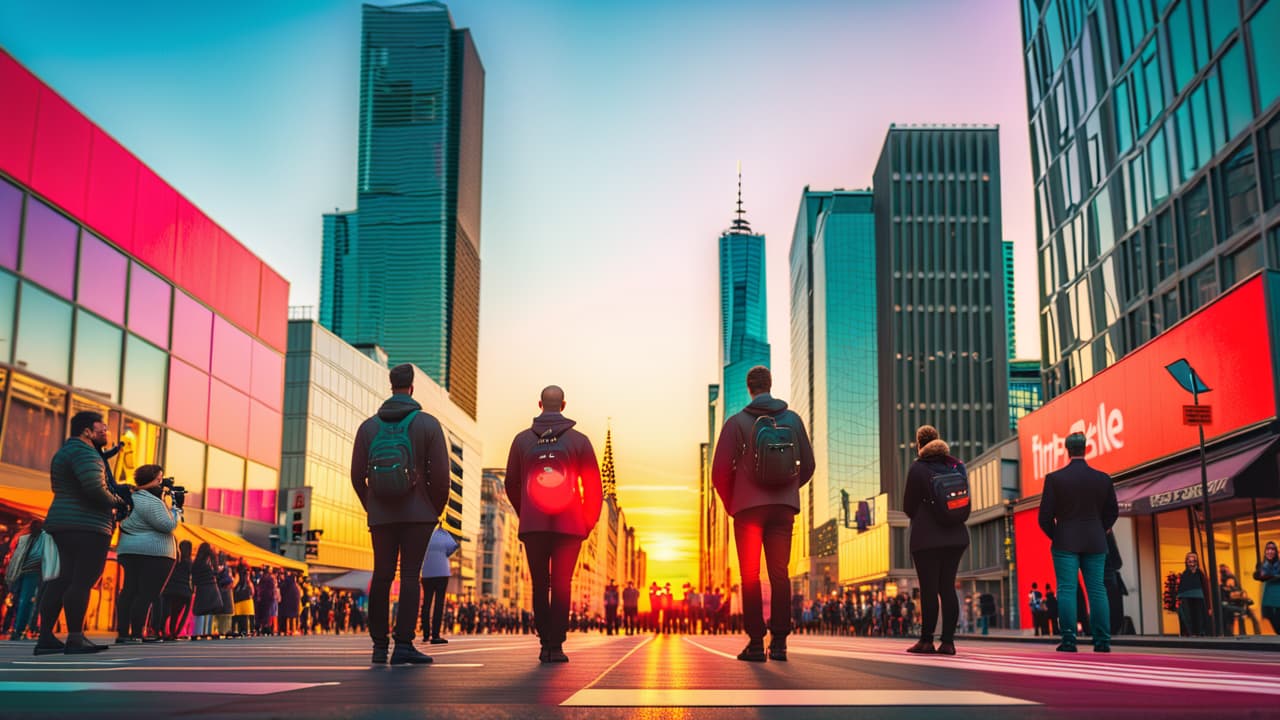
<point x="1132" y="412"/>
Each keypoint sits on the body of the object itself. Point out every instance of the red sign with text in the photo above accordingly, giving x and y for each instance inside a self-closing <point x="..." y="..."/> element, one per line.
<point x="1132" y="412"/>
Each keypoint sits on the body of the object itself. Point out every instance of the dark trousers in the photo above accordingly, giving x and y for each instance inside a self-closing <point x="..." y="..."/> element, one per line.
<point x="406" y="543"/>
<point x="1194" y="616"/>
<point x="176" y="609"/>
<point x="936" y="568"/>
<point x="433" y="605"/>
<point x="767" y="527"/>
<point x="610" y="619"/>
<point x="82" y="555"/>
<point x="552" y="557"/>
<point x="144" y="577"/>
<point x="1272" y="615"/>
<point x="630" y="615"/>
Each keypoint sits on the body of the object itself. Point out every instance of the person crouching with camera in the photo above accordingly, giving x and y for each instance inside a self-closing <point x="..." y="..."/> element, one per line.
<point x="147" y="550"/>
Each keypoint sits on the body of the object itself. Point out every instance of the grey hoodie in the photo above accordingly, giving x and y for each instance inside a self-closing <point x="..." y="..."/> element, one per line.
<point x="430" y="454"/>
<point x="732" y="471"/>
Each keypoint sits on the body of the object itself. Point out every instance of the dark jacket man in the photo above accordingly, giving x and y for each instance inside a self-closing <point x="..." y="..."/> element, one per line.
<point x="733" y="472"/>
<point x="430" y="453"/>
<point x="532" y="518"/>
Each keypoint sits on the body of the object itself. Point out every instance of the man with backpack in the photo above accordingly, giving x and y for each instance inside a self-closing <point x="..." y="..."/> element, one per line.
<point x="400" y="471"/>
<point x="553" y="481"/>
<point x="762" y="459"/>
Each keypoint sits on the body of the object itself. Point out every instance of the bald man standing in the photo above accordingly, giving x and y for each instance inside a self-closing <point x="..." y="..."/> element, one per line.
<point x="553" y="481"/>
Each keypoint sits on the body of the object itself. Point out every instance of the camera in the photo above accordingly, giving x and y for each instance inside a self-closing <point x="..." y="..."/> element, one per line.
<point x="178" y="492"/>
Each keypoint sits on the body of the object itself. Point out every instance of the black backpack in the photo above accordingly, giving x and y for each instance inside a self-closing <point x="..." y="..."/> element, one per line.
<point x="777" y="455"/>
<point x="392" y="473"/>
<point x="950" y="495"/>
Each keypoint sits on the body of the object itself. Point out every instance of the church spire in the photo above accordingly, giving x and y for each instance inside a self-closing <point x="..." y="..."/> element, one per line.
<point x="740" y="225"/>
<point x="607" y="476"/>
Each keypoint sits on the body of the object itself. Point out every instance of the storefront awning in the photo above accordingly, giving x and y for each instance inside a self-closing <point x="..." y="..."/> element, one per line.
<point x="1180" y="486"/>
<point x="237" y="547"/>
<point x="354" y="580"/>
<point x="25" y="501"/>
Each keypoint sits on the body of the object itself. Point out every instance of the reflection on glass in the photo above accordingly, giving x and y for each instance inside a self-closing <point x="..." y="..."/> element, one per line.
<point x="184" y="461"/>
<point x="35" y="423"/>
<point x="149" y="298"/>
<point x="224" y="485"/>
<point x="1265" y="28"/>
<point x="192" y="330"/>
<point x="139" y="445"/>
<point x="8" y="303"/>
<point x="44" y="334"/>
<point x="49" y="248"/>
<point x="96" y="367"/>
<point x="260" y="499"/>
<point x="10" y="220"/>
<point x="102" y="279"/>
<point x="145" y="368"/>
<point x="81" y="403"/>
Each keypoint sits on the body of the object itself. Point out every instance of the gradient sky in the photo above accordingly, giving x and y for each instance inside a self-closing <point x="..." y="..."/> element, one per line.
<point x="612" y="135"/>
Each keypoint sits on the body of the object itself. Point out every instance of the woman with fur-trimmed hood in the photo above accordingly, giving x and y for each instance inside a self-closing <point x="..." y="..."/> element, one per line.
<point x="936" y="547"/>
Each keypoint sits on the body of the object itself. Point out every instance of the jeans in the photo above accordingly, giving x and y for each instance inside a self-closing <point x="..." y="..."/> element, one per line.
<point x="408" y="543"/>
<point x="552" y="557"/>
<point x="767" y="527"/>
<point x="984" y="623"/>
<point x="1067" y="567"/>
<point x="82" y="555"/>
<point x="936" y="568"/>
<point x="24" y="590"/>
<point x="433" y="605"/>
<point x="144" y="578"/>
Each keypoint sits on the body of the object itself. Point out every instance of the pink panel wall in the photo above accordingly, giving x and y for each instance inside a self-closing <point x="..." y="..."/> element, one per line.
<point x="21" y="91"/>
<point x="188" y="400"/>
<point x="266" y="426"/>
<point x="112" y="193"/>
<point x="273" y="310"/>
<point x="268" y="376"/>
<point x="195" y="259"/>
<point x="232" y="355"/>
<point x="192" y="331"/>
<point x="228" y="418"/>
<point x="155" y="228"/>
<point x="60" y="160"/>
<point x="236" y="291"/>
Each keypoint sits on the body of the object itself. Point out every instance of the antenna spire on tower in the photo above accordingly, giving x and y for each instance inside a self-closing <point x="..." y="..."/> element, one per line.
<point x="740" y="225"/>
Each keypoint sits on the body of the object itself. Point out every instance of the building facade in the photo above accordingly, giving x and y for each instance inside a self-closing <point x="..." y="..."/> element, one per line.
<point x="1025" y="392"/>
<point x="1154" y="135"/>
<point x="504" y="572"/>
<point x="744" y="327"/>
<point x="417" y="224"/>
<point x="1009" y="295"/>
<point x="940" y="301"/>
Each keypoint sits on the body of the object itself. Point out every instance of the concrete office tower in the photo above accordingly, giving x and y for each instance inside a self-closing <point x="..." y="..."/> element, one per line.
<point x="744" y="332"/>
<point x="940" y="292"/>
<point x="834" y="369"/>
<point x="403" y="270"/>
<point x="1147" y="125"/>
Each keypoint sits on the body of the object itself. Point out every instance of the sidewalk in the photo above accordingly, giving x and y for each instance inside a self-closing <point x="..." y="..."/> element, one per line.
<point x="1254" y="643"/>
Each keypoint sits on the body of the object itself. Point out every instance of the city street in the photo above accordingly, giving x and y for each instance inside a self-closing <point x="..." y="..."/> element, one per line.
<point x="642" y="676"/>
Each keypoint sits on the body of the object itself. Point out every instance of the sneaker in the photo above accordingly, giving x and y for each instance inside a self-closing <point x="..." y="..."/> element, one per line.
<point x="753" y="653"/>
<point x="379" y="655"/>
<point x="543" y="656"/>
<point x="408" y="655"/>
<point x="556" y="655"/>
<point x="1066" y="647"/>
<point x="439" y="641"/>
<point x="922" y="647"/>
<point x="946" y="648"/>
<point x="778" y="652"/>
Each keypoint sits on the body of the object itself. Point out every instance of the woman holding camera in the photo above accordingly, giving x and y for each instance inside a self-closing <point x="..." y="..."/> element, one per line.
<point x="147" y="552"/>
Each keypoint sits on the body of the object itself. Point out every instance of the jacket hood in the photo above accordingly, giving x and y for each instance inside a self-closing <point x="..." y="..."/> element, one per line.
<point x="765" y="404"/>
<point x="555" y="422"/>
<point x="396" y="407"/>
<point x="935" y="450"/>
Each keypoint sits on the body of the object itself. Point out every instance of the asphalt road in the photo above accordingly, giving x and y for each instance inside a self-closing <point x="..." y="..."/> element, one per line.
<point x="633" y="677"/>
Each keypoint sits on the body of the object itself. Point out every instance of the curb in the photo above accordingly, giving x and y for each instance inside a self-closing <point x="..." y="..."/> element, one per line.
<point x="1140" y="641"/>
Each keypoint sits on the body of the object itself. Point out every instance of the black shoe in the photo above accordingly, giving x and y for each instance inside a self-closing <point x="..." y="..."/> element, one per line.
<point x="946" y="648"/>
<point x="127" y="641"/>
<point x="408" y="655"/>
<point x="379" y="655"/>
<point x="1102" y="648"/>
<point x="778" y="652"/>
<point x="753" y="653"/>
<point x="83" y="648"/>
<point x="542" y="656"/>
<point x="1067" y="647"/>
<point x="49" y="646"/>
<point x="556" y="655"/>
<point x="439" y="641"/>
<point x="152" y="640"/>
<point x="923" y="647"/>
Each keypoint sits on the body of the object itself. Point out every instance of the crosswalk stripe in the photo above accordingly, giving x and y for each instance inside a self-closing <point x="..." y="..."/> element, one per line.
<point x="180" y="687"/>
<point x="218" y="669"/>
<point x="686" y="697"/>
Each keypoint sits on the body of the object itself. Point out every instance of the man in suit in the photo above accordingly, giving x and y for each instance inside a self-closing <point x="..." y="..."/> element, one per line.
<point x="1077" y="510"/>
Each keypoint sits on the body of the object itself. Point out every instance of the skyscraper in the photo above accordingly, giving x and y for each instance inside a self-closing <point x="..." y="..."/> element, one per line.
<point x="1007" y="257"/>
<point x="744" y="335"/>
<point x="1145" y="148"/>
<point x="833" y="365"/>
<point x="403" y="270"/>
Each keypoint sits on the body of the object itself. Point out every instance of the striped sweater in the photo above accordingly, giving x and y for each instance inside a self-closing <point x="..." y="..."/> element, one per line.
<point x="81" y="500"/>
<point x="149" y="528"/>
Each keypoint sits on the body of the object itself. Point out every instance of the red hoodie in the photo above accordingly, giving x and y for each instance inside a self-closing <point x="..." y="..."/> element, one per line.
<point x="580" y="517"/>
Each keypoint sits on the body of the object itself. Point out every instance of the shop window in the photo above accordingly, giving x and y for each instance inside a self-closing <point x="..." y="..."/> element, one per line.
<point x="145" y="370"/>
<point x="139" y="445"/>
<point x="96" y="359"/>
<point x="1265" y="28"/>
<point x="8" y="304"/>
<point x="261" y="487"/>
<point x="1243" y="263"/>
<point x="232" y="355"/>
<point x="49" y="248"/>
<point x="35" y="425"/>
<point x="1240" y="189"/>
<point x="184" y="461"/>
<point x="149" y="300"/>
<point x="1197" y="225"/>
<point x="1175" y="541"/>
<point x="43" y="343"/>
<point x="192" y="330"/>
<point x="224" y="483"/>
<point x="10" y="223"/>
<point x="102" y="279"/>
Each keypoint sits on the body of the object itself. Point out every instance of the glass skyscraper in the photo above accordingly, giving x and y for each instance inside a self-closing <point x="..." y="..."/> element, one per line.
<point x="1156" y="154"/>
<point x="1025" y="393"/>
<point x="403" y="270"/>
<point x="1007" y="256"/>
<point x="744" y="334"/>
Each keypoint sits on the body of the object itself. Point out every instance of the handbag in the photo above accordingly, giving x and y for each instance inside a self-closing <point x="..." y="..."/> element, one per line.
<point x="17" y="560"/>
<point x="51" y="563"/>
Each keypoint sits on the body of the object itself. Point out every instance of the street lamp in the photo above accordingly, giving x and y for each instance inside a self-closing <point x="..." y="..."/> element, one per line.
<point x="1187" y="378"/>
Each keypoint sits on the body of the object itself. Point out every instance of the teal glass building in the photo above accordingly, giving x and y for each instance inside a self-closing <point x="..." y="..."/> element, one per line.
<point x="1025" y="392"/>
<point x="1156" y="154"/>
<point x="744" y="328"/>
<point x="403" y="270"/>
<point x="1007" y="258"/>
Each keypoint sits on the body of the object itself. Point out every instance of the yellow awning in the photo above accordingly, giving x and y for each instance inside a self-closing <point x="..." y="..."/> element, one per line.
<point x="237" y="547"/>
<point x="26" y="501"/>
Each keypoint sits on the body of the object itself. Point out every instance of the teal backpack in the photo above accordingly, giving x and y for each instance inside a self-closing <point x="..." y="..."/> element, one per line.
<point x="392" y="473"/>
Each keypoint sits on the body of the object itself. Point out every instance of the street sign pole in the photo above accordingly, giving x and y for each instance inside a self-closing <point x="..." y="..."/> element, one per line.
<point x="1215" y="605"/>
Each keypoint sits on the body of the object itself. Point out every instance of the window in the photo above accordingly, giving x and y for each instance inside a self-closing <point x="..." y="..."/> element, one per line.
<point x="228" y="409"/>
<point x="1163" y="249"/>
<point x="188" y="406"/>
<point x="224" y="486"/>
<point x="10" y="222"/>
<point x="1223" y="19"/>
<point x="139" y="445"/>
<point x="1243" y="263"/>
<point x="261" y="484"/>
<point x="1197" y="225"/>
<point x="1202" y="288"/>
<point x="149" y="300"/>
<point x="1158" y="167"/>
<point x="184" y="461"/>
<point x="8" y="303"/>
<point x="1265" y="28"/>
<point x="102" y="279"/>
<point x="145" y="369"/>
<point x="96" y="364"/>
<point x="1124" y="117"/>
<point x="49" y="248"/>
<point x="44" y="334"/>
<point x="1187" y="165"/>
<point x="1170" y="307"/>
<point x="1235" y="85"/>
<point x="1272" y="169"/>
<point x="232" y="355"/>
<point x="1180" y="47"/>
<point x="36" y="422"/>
<point x="1240" y="188"/>
<point x="192" y="330"/>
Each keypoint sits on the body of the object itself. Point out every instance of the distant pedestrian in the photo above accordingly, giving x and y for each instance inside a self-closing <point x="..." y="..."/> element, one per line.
<point x="553" y="480"/>
<point x="436" y="571"/>
<point x="762" y="459"/>
<point x="1077" y="509"/>
<point x="177" y="594"/>
<point x="290" y="604"/>
<point x="939" y="538"/>
<point x="612" y="599"/>
<point x="1268" y="573"/>
<point x="630" y="606"/>
<point x="400" y="472"/>
<point x="23" y="576"/>
<point x="1192" y="608"/>
<point x="207" y="601"/>
<point x="1035" y="603"/>
<point x="987" y="612"/>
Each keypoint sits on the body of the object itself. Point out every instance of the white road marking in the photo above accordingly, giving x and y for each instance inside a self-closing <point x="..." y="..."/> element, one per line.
<point x="750" y="697"/>
<point x="215" y="668"/>
<point x="695" y="643"/>
<point x="616" y="663"/>
<point x="179" y="687"/>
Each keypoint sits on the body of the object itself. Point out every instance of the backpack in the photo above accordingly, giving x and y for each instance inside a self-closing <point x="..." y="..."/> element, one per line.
<point x="392" y="473"/>
<point x="777" y="459"/>
<point x="549" y="481"/>
<point x="949" y="496"/>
